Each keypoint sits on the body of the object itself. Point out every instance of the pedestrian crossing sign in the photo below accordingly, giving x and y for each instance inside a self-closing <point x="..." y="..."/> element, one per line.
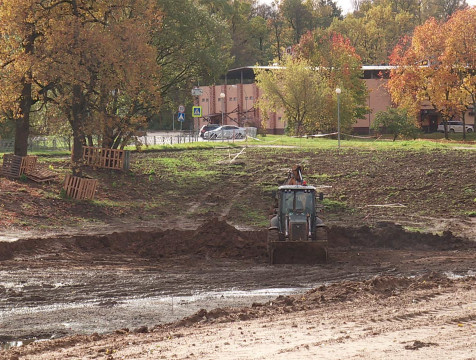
<point x="197" y="111"/>
<point x="181" y="117"/>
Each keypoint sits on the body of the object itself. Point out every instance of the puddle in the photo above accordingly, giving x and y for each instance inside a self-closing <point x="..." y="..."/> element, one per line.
<point x="217" y="295"/>
<point x="12" y="344"/>
<point x="165" y="307"/>
<point x="451" y="275"/>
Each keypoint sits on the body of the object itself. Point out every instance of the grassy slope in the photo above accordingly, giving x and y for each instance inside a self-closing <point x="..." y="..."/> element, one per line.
<point x="197" y="181"/>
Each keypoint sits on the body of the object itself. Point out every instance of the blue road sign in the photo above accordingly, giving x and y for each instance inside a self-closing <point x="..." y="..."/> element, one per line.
<point x="181" y="117"/>
<point x="197" y="111"/>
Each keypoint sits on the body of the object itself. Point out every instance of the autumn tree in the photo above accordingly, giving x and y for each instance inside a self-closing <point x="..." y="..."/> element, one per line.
<point x="276" y="25"/>
<point x="21" y="30"/>
<point x="102" y="69"/>
<point x="296" y="89"/>
<point x="460" y="56"/>
<point x="375" y="30"/>
<point x="335" y="59"/>
<point x="428" y="70"/>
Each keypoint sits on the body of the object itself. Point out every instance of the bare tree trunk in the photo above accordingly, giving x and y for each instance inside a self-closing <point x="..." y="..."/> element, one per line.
<point x="464" y="124"/>
<point x="78" y="136"/>
<point x="22" y="124"/>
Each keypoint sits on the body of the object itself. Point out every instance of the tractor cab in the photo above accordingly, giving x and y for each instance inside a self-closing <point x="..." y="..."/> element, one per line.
<point x="296" y="234"/>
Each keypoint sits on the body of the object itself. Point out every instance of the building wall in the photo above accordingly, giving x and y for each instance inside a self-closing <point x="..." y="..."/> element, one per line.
<point x="378" y="100"/>
<point x="239" y="107"/>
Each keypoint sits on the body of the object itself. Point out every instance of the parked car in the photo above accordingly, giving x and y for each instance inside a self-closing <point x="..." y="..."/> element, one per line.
<point x="226" y="132"/>
<point x="206" y="128"/>
<point x="455" y="126"/>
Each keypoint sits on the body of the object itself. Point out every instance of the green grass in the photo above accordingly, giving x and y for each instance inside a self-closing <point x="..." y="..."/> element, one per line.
<point x="202" y="145"/>
<point x="250" y="216"/>
<point x="425" y="142"/>
<point x="369" y="144"/>
<point x="334" y="205"/>
<point x="414" y="229"/>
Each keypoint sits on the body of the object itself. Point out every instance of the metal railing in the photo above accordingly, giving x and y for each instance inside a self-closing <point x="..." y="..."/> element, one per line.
<point x="50" y="143"/>
<point x="39" y="144"/>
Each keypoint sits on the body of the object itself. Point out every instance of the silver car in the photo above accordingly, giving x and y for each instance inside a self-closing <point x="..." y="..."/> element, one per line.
<point x="455" y="126"/>
<point x="226" y="132"/>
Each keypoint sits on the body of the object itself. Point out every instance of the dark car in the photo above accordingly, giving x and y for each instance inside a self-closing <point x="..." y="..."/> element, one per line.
<point x="207" y="127"/>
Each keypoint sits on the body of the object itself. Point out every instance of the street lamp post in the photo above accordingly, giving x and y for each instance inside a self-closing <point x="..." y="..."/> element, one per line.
<point x="222" y="96"/>
<point x="338" y="91"/>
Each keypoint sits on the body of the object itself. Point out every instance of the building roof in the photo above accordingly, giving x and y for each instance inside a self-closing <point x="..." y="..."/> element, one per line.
<point x="247" y="72"/>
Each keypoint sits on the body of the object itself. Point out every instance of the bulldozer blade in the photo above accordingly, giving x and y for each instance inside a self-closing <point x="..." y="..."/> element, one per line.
<point x="297" y="252"/>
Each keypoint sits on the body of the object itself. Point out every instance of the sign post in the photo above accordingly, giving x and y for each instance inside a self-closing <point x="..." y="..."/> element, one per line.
<point x="181" y="115"/>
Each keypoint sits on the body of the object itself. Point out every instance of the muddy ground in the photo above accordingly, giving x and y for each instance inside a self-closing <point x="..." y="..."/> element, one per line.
<point x="189" y="285"/>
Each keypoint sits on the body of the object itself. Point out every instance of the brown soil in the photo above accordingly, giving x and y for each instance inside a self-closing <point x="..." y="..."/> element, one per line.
<point x="187" y="284"/>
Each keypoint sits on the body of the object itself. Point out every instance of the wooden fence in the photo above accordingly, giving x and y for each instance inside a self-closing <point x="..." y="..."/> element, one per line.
<point x="106" y="158"/>
<point x="80" y="188"/>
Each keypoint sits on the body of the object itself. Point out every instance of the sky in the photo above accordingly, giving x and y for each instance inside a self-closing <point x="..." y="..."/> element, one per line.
<point x="347" y="5"/>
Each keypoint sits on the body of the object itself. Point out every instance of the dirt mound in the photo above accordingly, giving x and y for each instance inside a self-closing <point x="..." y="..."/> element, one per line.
<point x="393" y="236"/>
<point x="215" y="238"/>
<point x="377" y="288"/>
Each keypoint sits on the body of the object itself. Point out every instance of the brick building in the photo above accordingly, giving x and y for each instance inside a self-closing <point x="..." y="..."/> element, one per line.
<point x="234" y="102"/>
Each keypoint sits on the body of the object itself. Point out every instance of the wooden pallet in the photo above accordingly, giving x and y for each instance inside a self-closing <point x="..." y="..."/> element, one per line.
<point x="116" y="159"/>
<point x="80" y="188"/>
<point x="41" y="175"/>
<point x="28" y="164"/>
<point x="14" y="166"/>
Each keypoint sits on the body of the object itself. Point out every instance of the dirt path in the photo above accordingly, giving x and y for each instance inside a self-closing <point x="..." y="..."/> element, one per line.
<point x="384" y="318"/>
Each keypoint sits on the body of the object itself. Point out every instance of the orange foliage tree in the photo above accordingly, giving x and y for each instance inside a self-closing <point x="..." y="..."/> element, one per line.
<point x="460" y="54"/>
<point x="427" y="68"/>
<point x="21" y="35"/>
<point x="101" y="69"/>
<point x="90" y="60"/>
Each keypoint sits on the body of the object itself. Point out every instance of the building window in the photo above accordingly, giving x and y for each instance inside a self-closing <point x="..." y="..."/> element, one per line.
<point x="207" y="99"/>
<point x="219" y="99"/>
<point x="231" y="99"/>
<point x="251" y="97"/>
<point x="203" y="100"/>
<point x="246" y="98"/>
<point x="234" y="99"/>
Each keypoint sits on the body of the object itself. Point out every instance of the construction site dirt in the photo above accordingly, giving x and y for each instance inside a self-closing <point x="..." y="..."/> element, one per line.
<point x="159" y="282"/>
<point x="194" y="283"/>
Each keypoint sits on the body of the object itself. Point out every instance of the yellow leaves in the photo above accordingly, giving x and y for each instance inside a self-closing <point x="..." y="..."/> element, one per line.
<point x="445" y="79"/>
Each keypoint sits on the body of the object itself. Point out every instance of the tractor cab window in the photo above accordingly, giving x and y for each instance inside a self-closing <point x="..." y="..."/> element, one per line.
<point x="301" y="201"/>
<point x="288" y="199"/>
<point x="297" y="201"/>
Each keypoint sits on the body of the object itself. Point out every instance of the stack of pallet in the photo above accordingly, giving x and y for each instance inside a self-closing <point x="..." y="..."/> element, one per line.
<point x="15" y="166"/>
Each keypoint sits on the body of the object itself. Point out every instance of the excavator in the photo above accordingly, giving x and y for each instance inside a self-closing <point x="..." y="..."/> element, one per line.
<point x="296" y="235"/>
